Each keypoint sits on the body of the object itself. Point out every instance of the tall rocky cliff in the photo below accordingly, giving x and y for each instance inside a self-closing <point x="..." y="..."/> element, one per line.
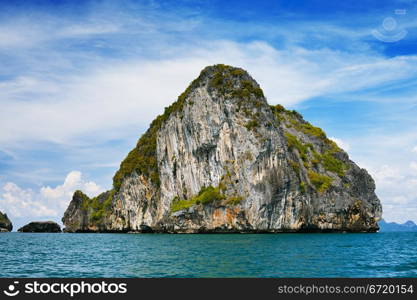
<point x="220" y="159"/>
<point x="5" y="224"/>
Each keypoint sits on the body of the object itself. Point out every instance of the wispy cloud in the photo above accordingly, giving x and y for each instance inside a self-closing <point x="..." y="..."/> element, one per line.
<point x="80" y="30"/>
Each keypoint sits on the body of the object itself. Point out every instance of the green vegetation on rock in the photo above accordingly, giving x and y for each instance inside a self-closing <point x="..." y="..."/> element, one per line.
<point x="2" y="217"/>
<point x="142" y="158"/>
<point x="311" y="130"/>
<point x="100" y="209"/>
<point x="320" y="182"/>
<point x="311" y="157"/>
<point x="180" y="204"/>
<point x="97" y="207"/>
<point x="302" y="187"/>
<point x="330" y="163"/>
<point x="293" y="142"/>
<point x="247" y="89"/>
<point x="206" y="195"/>
<point x="295" y="166"/>
<point x="232" y="83"/>
<point x="251" y="124"/>
<point x="295" y="119"/>
<point x="276" y="109"/>
<point x="234" y="200"/>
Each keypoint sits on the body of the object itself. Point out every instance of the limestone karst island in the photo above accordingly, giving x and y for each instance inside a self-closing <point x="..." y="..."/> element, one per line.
<point x="221" y="159"/>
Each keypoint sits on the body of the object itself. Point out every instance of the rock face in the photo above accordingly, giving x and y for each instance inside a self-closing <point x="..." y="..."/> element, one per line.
<point x="221" y="159"/>
<point x="5" y="224"/>
<point x="47" y="226"/>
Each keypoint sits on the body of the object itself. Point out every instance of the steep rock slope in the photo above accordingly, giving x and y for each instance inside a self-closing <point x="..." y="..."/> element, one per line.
<point x="220" y="159"/>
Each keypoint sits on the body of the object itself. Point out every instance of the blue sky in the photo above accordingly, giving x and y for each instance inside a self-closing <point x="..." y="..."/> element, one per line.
<point x="81" y="80"/>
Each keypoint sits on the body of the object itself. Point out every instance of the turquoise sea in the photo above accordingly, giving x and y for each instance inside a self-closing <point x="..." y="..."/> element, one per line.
<point x="210" y="255"/>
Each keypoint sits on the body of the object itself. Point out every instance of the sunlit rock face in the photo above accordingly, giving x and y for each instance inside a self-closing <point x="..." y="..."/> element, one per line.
<point x="221" y="159"/>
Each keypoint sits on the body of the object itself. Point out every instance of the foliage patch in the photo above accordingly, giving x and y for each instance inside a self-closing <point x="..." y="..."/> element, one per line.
<point x="205" y="196"/>
<point x="97" y="207"/>
<point x="320" y="182"/>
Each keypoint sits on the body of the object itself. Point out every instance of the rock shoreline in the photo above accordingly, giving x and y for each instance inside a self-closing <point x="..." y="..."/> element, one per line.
<point x="214" y="231"/>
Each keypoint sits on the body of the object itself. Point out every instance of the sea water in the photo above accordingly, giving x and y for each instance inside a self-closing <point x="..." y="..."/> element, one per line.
<point x="208" y="255"/>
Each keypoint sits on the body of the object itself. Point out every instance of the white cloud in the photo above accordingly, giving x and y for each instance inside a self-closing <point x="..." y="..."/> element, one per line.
<point x="118" y="95"/>
<point x="400" y="200"/>
<point x="341" y="143"/>
<point x="415" y="149"/>
<point x="413" y="166"/>
<point x="19" y="36"/>
<point x="47" y="203"/>
<point x="397" y="190"/>
<point x="388" y="159"/>
<point x="88" y="29"/>
<point x="72" y="182"/>
<point x="18" y="202"/>
<point x="387" y="173"/>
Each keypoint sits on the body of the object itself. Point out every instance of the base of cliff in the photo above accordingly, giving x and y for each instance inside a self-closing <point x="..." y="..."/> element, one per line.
<point x="228" y="231"/>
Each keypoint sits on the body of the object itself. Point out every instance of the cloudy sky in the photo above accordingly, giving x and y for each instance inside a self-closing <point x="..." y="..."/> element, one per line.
<point x="81" y="80"/>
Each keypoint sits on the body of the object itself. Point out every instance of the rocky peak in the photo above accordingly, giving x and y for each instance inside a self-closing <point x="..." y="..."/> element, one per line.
<point x="221" y="159"/>
<point x="228" y="82"/>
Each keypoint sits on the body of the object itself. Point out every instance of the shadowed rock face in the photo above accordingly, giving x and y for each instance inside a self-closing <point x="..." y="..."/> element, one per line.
<point x="5" y="224"/>
<point x="221" y="159"/>
<point x="47" y="226"/>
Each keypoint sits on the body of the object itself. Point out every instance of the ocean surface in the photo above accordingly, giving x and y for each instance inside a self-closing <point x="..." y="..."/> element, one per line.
<point x="210" y="255"/>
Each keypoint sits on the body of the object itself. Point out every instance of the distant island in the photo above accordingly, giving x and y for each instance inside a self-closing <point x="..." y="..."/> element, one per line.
<point x="408" y="226"/>
<point x="41" y="226"/>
